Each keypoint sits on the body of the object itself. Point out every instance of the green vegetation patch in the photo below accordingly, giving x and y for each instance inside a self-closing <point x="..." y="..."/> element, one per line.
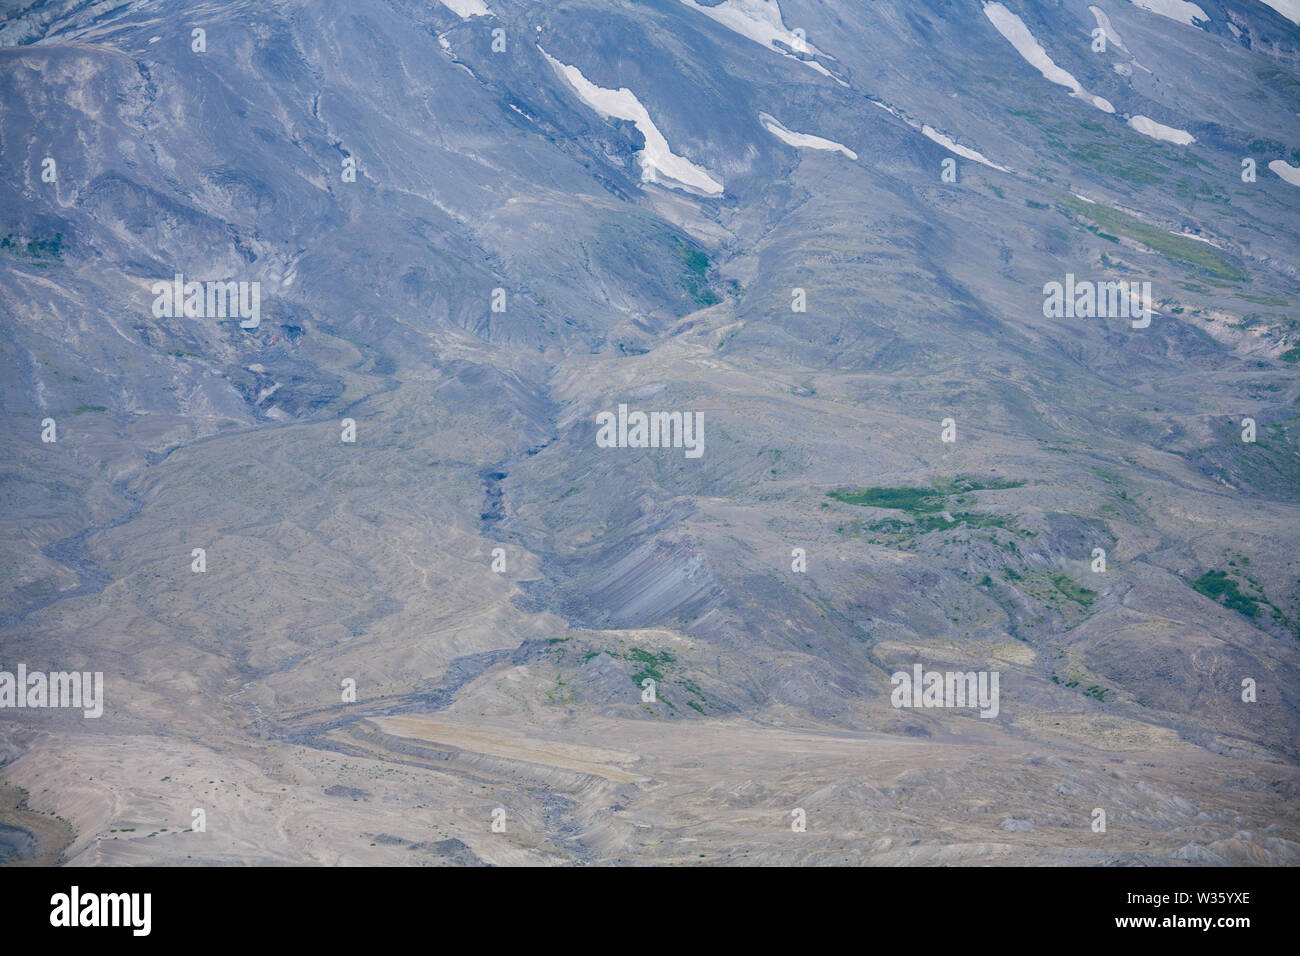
<point x="696" y="278"/>
<point x="1216" y="584"/>
<point x="1270" y="300"/>
<point x="650" y="663"/>
<point x="653" y="665"/>
<point x="911" y="500"/>
<point x="927" y="509"/>
<point x="1075" y="592"/>
<point x="51" y="248"/>
<point x="1199" y="255"/>
<point x="918" y="501"/>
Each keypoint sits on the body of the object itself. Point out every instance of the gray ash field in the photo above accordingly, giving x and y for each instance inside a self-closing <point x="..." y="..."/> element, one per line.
<point x="379" y="570"/>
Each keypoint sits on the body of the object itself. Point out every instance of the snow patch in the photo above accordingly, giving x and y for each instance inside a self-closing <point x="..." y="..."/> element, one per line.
<point x="1288" y="8"/>
<point x="948" y="144"/>
<point x="1179" y="10"/>
<point x="467" y="8"/>
<point x="657" y="158"/>
<point x="1113" y="38"/>
<point x="1288" y="172"/>
<point x="1015" y="31"/>
<point x="761" y="21"/>
<point x="933" y="134"/>
<point x="1149" y="127"/>
<point x="1107" y="30"/>
<point x="802" y="140"/>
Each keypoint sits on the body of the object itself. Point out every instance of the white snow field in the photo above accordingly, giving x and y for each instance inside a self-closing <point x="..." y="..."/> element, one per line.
<point x="467" y="8"/>
<point x="1288" y="172"/>
<point x="1179" y="10"/>
<point x="1015" y="31"/>
<point x="1149" y="127"/>
<point x="657" y="159"/>
<point x="1288" y="8"/>
<point x="953" y="146"/>
<point x="802" y="140"/>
